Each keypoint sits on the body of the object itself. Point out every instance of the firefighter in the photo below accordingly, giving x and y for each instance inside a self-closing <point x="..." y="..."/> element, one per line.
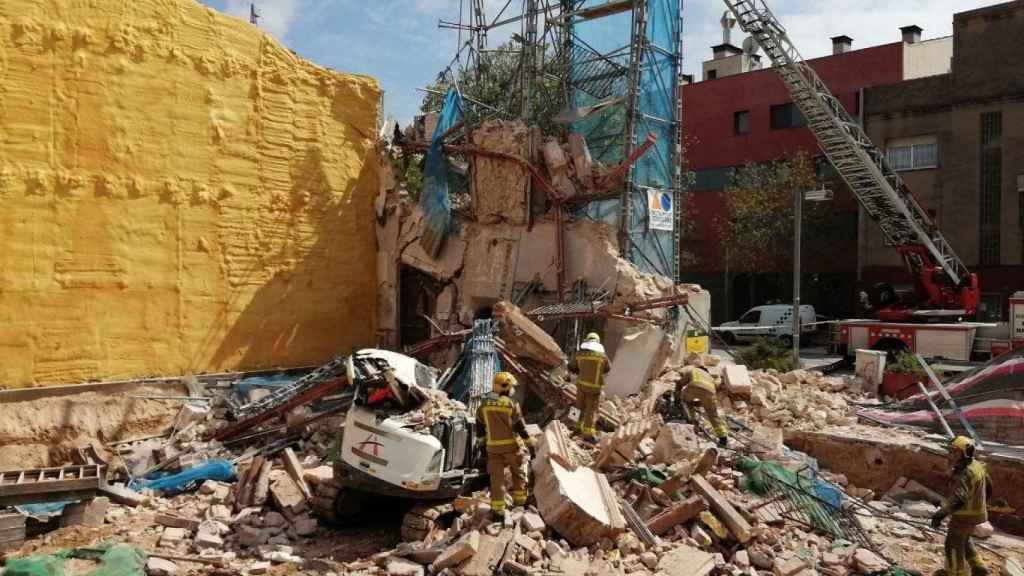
<point x="590" y="364"/>
<point x="696" y="386"/>
<point x="969" y="490"/>
<point x="499" y="420"/>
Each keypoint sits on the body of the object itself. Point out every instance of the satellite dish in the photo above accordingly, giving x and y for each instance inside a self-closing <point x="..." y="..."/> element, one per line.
<point x="750" y="49"/>
<point x="750" y="45"/>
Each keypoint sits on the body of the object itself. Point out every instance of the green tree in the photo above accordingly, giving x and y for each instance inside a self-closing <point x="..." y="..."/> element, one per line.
<point x="757" y="230"/>
<point x="492" y="86"/>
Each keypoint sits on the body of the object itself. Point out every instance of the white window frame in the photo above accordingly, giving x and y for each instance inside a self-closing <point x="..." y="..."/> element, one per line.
<point x="922" y="151"/>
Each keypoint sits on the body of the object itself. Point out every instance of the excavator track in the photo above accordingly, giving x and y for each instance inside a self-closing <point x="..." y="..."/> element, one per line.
<point x="425" y="518"/>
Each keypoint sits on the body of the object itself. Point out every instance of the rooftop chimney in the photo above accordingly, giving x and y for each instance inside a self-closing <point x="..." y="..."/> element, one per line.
<point x="725" y="51"/>
<point x="841" y="44"/>
<point x="911" y="34"/>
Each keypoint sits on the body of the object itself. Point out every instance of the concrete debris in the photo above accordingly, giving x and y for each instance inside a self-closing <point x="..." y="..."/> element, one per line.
<point x="686" y="561"/>
<point x="678" y="442"/>
<point x="737" y="380"/>
<point x="867" y="562"/>
<point x="461" y="550"/>
<point x="525" y="338"/>
<point x="161" y="567"/>
<point x="578" y="503"/>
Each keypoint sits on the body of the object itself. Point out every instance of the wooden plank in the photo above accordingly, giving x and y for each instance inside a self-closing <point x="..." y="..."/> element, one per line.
<point x="295" y="470"/>
<point x="725" y="511"/>
<point x="682" y="512"/>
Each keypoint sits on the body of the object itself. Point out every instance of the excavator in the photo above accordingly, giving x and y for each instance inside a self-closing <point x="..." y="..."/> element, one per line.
<point x="944" y="288"/>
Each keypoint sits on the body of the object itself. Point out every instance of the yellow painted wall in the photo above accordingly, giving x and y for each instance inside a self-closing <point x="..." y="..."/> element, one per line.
<point x="177" y="192"/>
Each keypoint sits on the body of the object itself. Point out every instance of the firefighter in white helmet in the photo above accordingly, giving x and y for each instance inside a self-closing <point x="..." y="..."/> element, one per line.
<point x="590" y="364"/>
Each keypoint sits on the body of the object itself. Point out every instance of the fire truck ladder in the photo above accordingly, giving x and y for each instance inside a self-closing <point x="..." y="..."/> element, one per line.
<point x="863" y="167"/>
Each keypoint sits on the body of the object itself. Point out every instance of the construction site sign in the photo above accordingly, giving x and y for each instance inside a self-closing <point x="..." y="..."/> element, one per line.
<point x="659" y="209"/>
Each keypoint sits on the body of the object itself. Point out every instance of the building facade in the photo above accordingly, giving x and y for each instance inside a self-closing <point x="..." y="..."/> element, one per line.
<point x="734" y="118"/>
<point x="958" y="139"/>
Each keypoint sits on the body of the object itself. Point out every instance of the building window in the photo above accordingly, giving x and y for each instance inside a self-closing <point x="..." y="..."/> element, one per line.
<point x="741" y="122"/>
<point x="787" y="116"/>
<point x="712" y="74"/>
<point x="991" y="187"/>
<point x="913" y="153"/>
<point x="990" y="308"/>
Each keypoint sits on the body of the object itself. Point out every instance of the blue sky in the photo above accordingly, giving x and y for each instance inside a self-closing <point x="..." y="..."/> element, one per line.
<point x="399" y="42"/>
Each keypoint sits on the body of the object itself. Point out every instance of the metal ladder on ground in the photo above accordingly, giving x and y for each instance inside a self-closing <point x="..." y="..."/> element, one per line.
<point x="863" y="167"/>
<point x="281" y="395"/>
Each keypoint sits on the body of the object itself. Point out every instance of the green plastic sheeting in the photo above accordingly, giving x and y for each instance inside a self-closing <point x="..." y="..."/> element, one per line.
<point x="114" y="560"/>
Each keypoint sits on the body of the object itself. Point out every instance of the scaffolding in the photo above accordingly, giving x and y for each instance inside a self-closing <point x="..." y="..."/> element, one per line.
<point x="616" y="67"/>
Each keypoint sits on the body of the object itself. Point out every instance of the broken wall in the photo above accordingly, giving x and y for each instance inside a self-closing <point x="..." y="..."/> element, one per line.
<point x="180" y="191"/>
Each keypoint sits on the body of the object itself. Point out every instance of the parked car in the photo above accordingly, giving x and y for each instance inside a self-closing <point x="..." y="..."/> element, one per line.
<point x="768" y="321"/>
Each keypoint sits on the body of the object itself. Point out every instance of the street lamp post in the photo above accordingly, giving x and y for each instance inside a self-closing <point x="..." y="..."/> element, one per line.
<point x="820" y="195"/>
<point x="798" y="205"/>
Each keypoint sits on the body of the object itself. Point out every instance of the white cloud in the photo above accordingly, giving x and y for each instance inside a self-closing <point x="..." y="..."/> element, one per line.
<point x="276" y="16"/>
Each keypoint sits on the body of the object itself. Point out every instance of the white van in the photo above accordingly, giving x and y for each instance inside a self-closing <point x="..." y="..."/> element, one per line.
<point x="772" y="320"/>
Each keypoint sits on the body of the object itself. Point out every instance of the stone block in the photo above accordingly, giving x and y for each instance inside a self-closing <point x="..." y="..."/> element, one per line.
<point x="867" y="562"/>
<point x="250" y="536"/>
<point x="89" y="513"/>
<point x="463" y="549"/>
<point x="686" y="561"/>
<point x="532" y="522"/>
<point x="305" y="525"/>
<point x="737" y="380"/>
<point x="790" y="567"/>
<point x="403" y="567"/>
<point x="286" y="495"/>
<point x="161" y="567"/>
<point x="677" y="442"/>
<point x="319" y="475"/>
<point x="172" y="537"/>
<point x="579" y="504"/>
<point x="208" y="540"/>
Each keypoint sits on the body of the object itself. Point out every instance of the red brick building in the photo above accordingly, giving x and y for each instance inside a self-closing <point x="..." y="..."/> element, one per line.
<point x="731" y="120"/>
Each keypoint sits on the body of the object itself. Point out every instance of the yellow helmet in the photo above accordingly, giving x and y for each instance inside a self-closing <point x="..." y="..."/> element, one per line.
<point x="592" y="337"/>
<point x="963" y="445"/>
<point x="503" y="383"/>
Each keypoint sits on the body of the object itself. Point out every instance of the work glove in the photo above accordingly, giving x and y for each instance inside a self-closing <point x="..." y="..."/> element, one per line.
<point x="723" y="442"/>
<point x="937" y="518"/>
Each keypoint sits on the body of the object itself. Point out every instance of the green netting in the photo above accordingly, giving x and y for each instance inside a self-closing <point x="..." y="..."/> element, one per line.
<point x="772" y="478"/>
<point x="114" y="560"/>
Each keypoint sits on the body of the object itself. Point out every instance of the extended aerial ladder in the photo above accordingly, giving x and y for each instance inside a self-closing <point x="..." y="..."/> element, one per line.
<point x="942" y="281"/>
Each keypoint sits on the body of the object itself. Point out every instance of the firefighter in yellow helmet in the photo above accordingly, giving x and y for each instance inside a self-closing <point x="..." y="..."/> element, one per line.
<point x="696" y="386"/>
<point x="499" y="420"/>
<point x="967" y="505"/>
<point x="590" y="364"/>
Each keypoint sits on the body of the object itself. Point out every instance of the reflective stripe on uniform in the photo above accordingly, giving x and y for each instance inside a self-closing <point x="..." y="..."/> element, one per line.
<point x="702" y="379"/>
<point x="501" y="408"/>
<point x="974" y="506"/>
<point x="597" y="360"/>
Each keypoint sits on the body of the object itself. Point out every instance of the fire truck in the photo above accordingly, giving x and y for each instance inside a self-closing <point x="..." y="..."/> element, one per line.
<point x="936" y="320"/>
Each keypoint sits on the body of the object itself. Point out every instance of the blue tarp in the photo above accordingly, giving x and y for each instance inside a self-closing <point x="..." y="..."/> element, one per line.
<point x="222" y="470"/>
<point x="435" y="201"/>
<point x="653" y="250"/>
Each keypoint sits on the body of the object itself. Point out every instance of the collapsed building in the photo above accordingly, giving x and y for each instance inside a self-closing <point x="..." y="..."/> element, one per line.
<point x="239" y="471"/>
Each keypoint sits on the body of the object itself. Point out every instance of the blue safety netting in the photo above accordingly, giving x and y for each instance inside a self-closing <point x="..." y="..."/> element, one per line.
<point x="601" y="57"/>
<point x="435" y="201"/>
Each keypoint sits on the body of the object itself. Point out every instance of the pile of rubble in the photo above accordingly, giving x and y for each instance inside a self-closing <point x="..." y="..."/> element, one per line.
<point x="651" y="497"/>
